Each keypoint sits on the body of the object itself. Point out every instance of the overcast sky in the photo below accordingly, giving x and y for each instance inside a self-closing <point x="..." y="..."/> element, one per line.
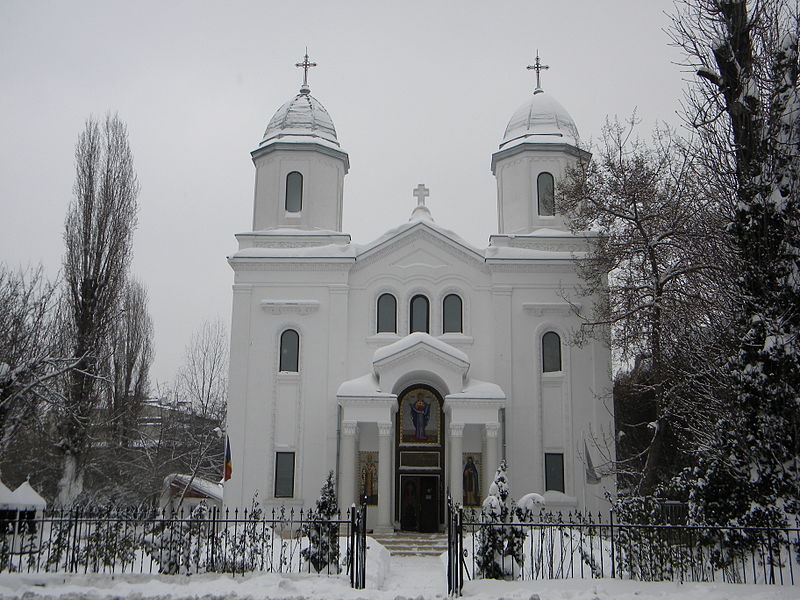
<point x="419" y="92"/>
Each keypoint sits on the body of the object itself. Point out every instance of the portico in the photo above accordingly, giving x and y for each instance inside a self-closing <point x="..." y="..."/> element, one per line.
<point x="414" y="407"/>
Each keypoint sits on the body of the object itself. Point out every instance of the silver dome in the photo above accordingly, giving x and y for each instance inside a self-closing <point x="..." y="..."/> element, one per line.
<point x="301" y="117"/>
<point x="540" y="119"/>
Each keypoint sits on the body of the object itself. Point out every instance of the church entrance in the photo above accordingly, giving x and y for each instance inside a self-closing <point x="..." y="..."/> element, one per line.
<point x="420" y="473"/>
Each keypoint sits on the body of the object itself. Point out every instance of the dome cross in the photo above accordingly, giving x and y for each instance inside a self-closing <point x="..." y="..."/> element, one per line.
<point x="421" y="192"/>
<point x="538" y="67"/>
<point x="306" y="65"/>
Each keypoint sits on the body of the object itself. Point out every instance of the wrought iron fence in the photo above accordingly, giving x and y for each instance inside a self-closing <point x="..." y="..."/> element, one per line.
<point x="93" y="540"/>
<point x="584" y="546"/>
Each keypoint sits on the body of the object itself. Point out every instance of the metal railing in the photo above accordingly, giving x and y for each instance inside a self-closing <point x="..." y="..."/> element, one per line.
<point x="577" y="546"/>
<point x="92" y="540"/>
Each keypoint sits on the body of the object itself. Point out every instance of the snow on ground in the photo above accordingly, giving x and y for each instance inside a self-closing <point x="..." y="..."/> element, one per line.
<point x="388" y="578"/>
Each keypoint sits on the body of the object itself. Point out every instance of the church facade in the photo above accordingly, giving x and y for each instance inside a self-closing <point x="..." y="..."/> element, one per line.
<point x="411" y="365"/>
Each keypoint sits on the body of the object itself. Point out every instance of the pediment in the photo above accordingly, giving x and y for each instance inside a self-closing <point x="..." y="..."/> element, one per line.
<point x="420" y="245"/>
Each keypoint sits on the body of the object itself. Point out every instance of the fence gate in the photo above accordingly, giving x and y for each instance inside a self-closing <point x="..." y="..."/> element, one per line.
<point x="455" y="548"/>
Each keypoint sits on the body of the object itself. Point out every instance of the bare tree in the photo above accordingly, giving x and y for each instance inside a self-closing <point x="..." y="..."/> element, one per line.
<point x="98" y="236"/>
<point x="131" y="355"/>
<point x="658" y="253"/>
<point x="202" y="382"/>
<point x="30" y="368"/>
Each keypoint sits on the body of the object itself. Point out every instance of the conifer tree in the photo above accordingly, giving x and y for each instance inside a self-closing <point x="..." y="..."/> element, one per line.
<point x="322" y="552"/>
<point x="499" y="551"/>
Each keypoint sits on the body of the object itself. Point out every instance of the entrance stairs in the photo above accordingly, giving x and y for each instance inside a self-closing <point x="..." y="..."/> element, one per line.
<point x="407" y="543"/>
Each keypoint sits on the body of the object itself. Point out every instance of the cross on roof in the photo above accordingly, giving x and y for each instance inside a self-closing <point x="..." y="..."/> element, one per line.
<point x="306" y="66"/>
<point x="421" y="192"/>
<point x="538" y="67"/>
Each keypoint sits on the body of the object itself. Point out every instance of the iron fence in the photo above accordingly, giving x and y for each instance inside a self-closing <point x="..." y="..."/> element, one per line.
<point x="117" y="540"/>
<point x="584" y="546"/>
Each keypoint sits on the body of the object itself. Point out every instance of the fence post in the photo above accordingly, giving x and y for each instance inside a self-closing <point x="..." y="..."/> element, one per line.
<point x="613" y="558"/>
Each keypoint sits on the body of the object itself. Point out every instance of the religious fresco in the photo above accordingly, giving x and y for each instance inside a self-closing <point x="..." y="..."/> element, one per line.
<point x="368" y="476"/>
<point x="472" y="478"/>
<point x="419" y="417"/>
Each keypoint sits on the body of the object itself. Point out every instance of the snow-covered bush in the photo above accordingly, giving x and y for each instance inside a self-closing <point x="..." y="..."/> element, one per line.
<point x="179" y="545"/>
<point x="530" y="507"/>
<point x="499" y="552"/>
<point x="249" y="546"/>
<point x="322" y="553"/>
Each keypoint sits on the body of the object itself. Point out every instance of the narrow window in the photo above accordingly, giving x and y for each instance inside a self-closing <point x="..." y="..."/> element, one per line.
<point x="294" y="192"/>
<point x="420" y="314"/>
<point x="551" y="352"/>
<point x="284" y="474"/>
<point x="546" y="187"/>
<point x="451" y="311"/>
<point x="290" y="350"/>
<point x="554" y="472"/>
<point x="387" y="314"/>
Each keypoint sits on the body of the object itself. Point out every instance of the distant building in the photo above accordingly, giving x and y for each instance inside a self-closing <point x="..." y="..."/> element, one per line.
<point x="412" y="364"/>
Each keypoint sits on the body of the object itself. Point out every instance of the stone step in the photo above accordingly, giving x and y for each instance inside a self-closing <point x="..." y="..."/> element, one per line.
<point x="413" y="544"/>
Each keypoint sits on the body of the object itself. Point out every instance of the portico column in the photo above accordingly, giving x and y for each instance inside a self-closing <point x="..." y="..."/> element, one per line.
<point x="456" y="457"/>
<point x="347" y="465"/>
<point x="385" y="477"/>
<point x="490" y="454"/>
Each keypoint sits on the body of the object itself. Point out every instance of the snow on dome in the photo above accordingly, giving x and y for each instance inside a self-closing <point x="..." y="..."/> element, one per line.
<point x="301" y="118"/>
<point x="540" y="119"/>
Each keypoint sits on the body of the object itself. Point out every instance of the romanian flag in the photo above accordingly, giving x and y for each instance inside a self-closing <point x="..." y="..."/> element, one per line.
<point x="228" y="460"/>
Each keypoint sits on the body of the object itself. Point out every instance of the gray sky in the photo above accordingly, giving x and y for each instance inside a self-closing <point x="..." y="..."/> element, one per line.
<point x="420" y="92"/>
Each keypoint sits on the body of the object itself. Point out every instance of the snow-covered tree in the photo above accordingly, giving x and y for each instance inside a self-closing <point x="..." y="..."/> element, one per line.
<point x="322" y="552"/>
<point x="499" y="552"/>
<point x="746" y="106"/>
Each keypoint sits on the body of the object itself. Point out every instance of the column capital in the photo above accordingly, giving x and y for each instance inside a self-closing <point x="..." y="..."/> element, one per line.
<point x="456" y="429"/>
<point x="384" y="429"/>
<point x="349" y="428"/>
<point x="491" y="429"/>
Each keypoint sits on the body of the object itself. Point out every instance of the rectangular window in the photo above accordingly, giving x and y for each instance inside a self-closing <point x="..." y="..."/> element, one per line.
<point x="284" y="474"/>
<point x="554" y="472"/>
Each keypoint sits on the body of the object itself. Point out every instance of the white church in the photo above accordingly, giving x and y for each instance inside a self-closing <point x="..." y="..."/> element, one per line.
<point x="411" y="365"/>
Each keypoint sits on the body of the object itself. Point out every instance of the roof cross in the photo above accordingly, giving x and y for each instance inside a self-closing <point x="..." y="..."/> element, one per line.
<point x="421" y="192"/>
<point x="306" y="65"/>
<point x="538" y="67"/>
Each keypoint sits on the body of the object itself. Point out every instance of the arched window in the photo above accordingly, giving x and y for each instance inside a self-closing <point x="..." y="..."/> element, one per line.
<point x="294" y="192"/>
<point x="451" y="314"/>
<point x="290" y="351"/>
<point x="551" y="352"/>
<point x="420" y="320"/>
<point x="387" y="314"/>
<point x="546" y="190"/>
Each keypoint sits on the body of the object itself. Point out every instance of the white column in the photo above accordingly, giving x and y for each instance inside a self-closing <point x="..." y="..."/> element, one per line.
<point x="456" y="462"/>
<point x="347" y="465"/>
<point x="490" y="460"/>
<point x="385" y="477"/>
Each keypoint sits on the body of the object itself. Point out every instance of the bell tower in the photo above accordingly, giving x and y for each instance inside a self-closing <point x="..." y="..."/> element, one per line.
<point x="540" y="142"/>
<point x="300" y="167"/>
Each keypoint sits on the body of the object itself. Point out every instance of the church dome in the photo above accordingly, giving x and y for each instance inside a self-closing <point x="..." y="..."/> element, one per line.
<point x="541" y="119"/>
<point x="301" y="119"/>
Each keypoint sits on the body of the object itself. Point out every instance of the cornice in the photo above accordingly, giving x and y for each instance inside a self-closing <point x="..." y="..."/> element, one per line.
<point x="280" y="307"/>
<point x="558" y="308"/>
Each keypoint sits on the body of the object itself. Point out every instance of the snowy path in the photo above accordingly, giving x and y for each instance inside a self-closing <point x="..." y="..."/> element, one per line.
<point x="413" y="577"/>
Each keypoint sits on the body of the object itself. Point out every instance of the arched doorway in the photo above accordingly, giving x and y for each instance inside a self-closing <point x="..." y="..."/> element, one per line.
<point x="420" y="472"/>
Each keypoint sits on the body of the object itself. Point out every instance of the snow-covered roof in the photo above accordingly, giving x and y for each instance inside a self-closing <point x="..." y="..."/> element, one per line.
<point x="365" y="386"/>
<point x="476" y="388"/>
<point x="414" y="339"/>
<point x="540" y="119"/>
<point x="208" y="488"/>
<point x="302" y="119"/>
<point x="27" y="497"/>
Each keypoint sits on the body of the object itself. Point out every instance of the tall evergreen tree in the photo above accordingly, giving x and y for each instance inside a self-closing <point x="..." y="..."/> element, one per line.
<point x="322" y="552"/>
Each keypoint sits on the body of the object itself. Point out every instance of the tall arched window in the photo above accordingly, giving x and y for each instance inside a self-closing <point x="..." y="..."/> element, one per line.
<point x="546" y="191"/>
<point x="551" y="352"/>
<point x="451" y="314"/>
<point x="290" y="351"/>
<point x="387" y="314"/>
<point x="420" y="314"/>
<point x="294" y="192"/>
